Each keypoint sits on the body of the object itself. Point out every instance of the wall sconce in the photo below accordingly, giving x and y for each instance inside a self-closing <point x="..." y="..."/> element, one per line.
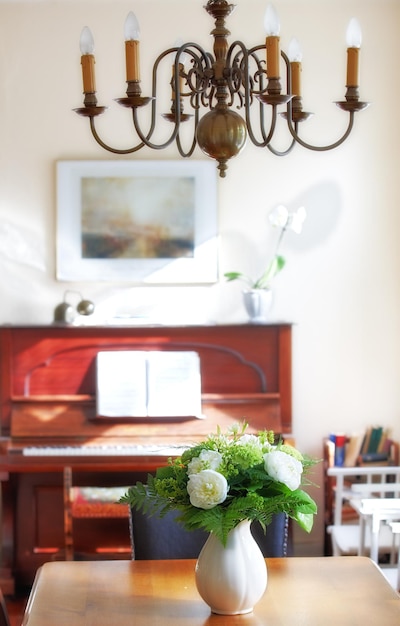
<point x="65" y="313"/>
<point x="231" y="78"/>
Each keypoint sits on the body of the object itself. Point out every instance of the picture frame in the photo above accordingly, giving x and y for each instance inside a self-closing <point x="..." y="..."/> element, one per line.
<point x="151" y="222"/>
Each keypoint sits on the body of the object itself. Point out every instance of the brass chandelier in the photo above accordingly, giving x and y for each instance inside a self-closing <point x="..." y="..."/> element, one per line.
<point x="233" y="77"/>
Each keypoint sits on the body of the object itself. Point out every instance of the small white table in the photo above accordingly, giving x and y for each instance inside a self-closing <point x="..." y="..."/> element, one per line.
<point x="395" y="526"/>
<point x="374" y="511"/>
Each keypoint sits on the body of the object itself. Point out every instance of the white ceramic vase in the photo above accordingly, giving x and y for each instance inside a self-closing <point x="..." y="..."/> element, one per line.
<point x="231" y="579"/>
<point x="258" y="303"/>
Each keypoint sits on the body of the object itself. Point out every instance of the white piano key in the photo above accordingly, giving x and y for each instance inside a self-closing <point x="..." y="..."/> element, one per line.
<point x="105" y="450"/>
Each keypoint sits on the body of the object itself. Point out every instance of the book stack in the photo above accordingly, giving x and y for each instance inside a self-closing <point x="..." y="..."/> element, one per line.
<point x="353" y="449"/>
<point x="374" y="446"/>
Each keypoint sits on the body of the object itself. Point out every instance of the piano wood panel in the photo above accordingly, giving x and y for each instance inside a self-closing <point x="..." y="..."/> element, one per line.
<point x="47" y="397"/>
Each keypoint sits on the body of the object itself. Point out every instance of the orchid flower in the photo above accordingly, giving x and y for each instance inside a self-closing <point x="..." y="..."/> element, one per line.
<point x="279" y="217"/>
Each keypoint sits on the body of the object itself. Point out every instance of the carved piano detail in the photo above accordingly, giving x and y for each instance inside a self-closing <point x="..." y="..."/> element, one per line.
<point x="48" y="415"/>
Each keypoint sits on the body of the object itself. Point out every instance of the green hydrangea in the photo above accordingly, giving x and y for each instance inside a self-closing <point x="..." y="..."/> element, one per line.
<point x="225" y="479"/>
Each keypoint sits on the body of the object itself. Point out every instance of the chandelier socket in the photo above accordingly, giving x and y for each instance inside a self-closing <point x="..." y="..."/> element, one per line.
<point x="132" y="102"/>
<point x="90" y="111"/>
<point x="171" y="117"/>
<point x="273" y="99"/>
<point x="298" y="115"/>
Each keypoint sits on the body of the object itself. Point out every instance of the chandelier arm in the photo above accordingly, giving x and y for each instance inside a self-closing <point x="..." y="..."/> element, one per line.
<point x="203" y="57"/>
<point x="282" y="152"/>
<point x="189" y="152"/>
<point x="145" y="140"/>
<point x="331" y="146"/>
<point x="198" y="77"/>
<point x="289" y="105"/>
<point x="109" y="148"/>
<point x="274" y="116"/>
<point x="267" y="138"/>
<point x="154" y="93"/>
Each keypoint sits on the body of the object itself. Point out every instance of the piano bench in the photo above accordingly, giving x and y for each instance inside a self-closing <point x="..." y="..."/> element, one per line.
<point x="89" y="503"/>
<point x="97" y="502"/>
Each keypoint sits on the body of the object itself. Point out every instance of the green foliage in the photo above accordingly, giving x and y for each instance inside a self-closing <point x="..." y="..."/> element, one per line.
<point x="264" y="281"/>
<point x="252" y="493"/>
<point x="274" y="267"/>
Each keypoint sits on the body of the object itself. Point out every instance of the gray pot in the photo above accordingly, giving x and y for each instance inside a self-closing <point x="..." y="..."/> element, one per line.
<point x="258" y="304"/>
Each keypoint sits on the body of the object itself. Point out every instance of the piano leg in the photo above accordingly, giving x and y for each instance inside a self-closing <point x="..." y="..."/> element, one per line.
<point x="69" y="540"/>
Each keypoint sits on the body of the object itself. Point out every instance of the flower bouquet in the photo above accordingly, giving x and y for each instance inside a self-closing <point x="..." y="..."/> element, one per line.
<point x="226" y="479"/>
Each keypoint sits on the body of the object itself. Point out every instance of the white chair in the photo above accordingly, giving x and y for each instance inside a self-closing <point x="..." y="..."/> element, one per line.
<point x="346" y="537"/>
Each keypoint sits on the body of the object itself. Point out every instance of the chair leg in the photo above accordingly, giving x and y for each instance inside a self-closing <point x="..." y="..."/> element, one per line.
<point x="68" y="534"/>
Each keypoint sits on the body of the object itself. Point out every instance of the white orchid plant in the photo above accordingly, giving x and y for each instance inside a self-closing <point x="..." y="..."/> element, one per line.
<point x="280" y="218"/>
<point x="226" y="479"/>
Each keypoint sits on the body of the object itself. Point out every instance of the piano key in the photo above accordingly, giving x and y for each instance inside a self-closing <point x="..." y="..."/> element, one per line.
<point x="105" y="450"/>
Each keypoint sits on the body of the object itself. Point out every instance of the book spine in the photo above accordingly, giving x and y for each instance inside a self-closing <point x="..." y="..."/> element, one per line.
<point x="340" y="448"/>
<point x="374" y="457"/>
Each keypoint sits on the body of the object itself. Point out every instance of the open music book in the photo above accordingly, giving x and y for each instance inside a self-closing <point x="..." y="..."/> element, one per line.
<point x="139" y="384"/>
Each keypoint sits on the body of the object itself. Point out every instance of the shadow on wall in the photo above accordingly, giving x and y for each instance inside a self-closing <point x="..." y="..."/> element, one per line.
<point x="323" y="205"/>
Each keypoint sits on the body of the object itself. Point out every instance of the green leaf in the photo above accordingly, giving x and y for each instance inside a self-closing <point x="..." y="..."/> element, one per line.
<point x="306" y="503"/>
<point x="230" y="276"/>
<point x="165" y="472"/>
<point x="233" y="275"/>
<point x="274" y="267"/>
<point x="305" y="521"/>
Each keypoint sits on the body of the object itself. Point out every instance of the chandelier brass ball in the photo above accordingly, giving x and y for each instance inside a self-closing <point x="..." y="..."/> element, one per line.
<point x="221" y="135"/>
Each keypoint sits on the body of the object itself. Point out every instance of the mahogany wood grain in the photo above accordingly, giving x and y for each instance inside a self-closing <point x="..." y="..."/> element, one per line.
<point x="325" y="591"/>
<point x="48" y="397"/>
<point x="48" y="377"/>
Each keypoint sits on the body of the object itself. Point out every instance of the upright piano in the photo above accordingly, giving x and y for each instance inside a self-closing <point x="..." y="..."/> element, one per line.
<point x="49" y="420"/>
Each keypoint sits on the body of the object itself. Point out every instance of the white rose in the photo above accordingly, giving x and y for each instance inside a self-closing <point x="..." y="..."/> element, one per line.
<point x="283" y="468"/>
<point x="207" y="489"/>
<point x="207" y="459"/>
<point x="249" y="439"/>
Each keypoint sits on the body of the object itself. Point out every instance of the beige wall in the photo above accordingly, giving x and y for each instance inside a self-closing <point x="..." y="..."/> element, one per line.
<point x="341" y="287"/>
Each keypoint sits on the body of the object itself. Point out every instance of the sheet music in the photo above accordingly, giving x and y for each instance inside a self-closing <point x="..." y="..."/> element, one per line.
<point x="148" y="384"/>
<point x="121" y="384"/>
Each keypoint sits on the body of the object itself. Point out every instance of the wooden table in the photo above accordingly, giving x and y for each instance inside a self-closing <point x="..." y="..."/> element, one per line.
<point x="300" y="592"/>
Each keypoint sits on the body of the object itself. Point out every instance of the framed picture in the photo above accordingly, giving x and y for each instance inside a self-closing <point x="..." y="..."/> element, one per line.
<point x="137" y="221"/>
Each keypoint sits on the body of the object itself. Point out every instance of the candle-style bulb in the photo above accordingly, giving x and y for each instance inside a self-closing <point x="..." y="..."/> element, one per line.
<point x="353" y="34"/>
<point x="272" y="28"/>
<point x="271" y="21"/>
<point x="294" y="51"/>
<point x="295" y="56"/>
<point x="131" y="28"/>
<point x="353" y="38"/>
<point x="86" y="42"/>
